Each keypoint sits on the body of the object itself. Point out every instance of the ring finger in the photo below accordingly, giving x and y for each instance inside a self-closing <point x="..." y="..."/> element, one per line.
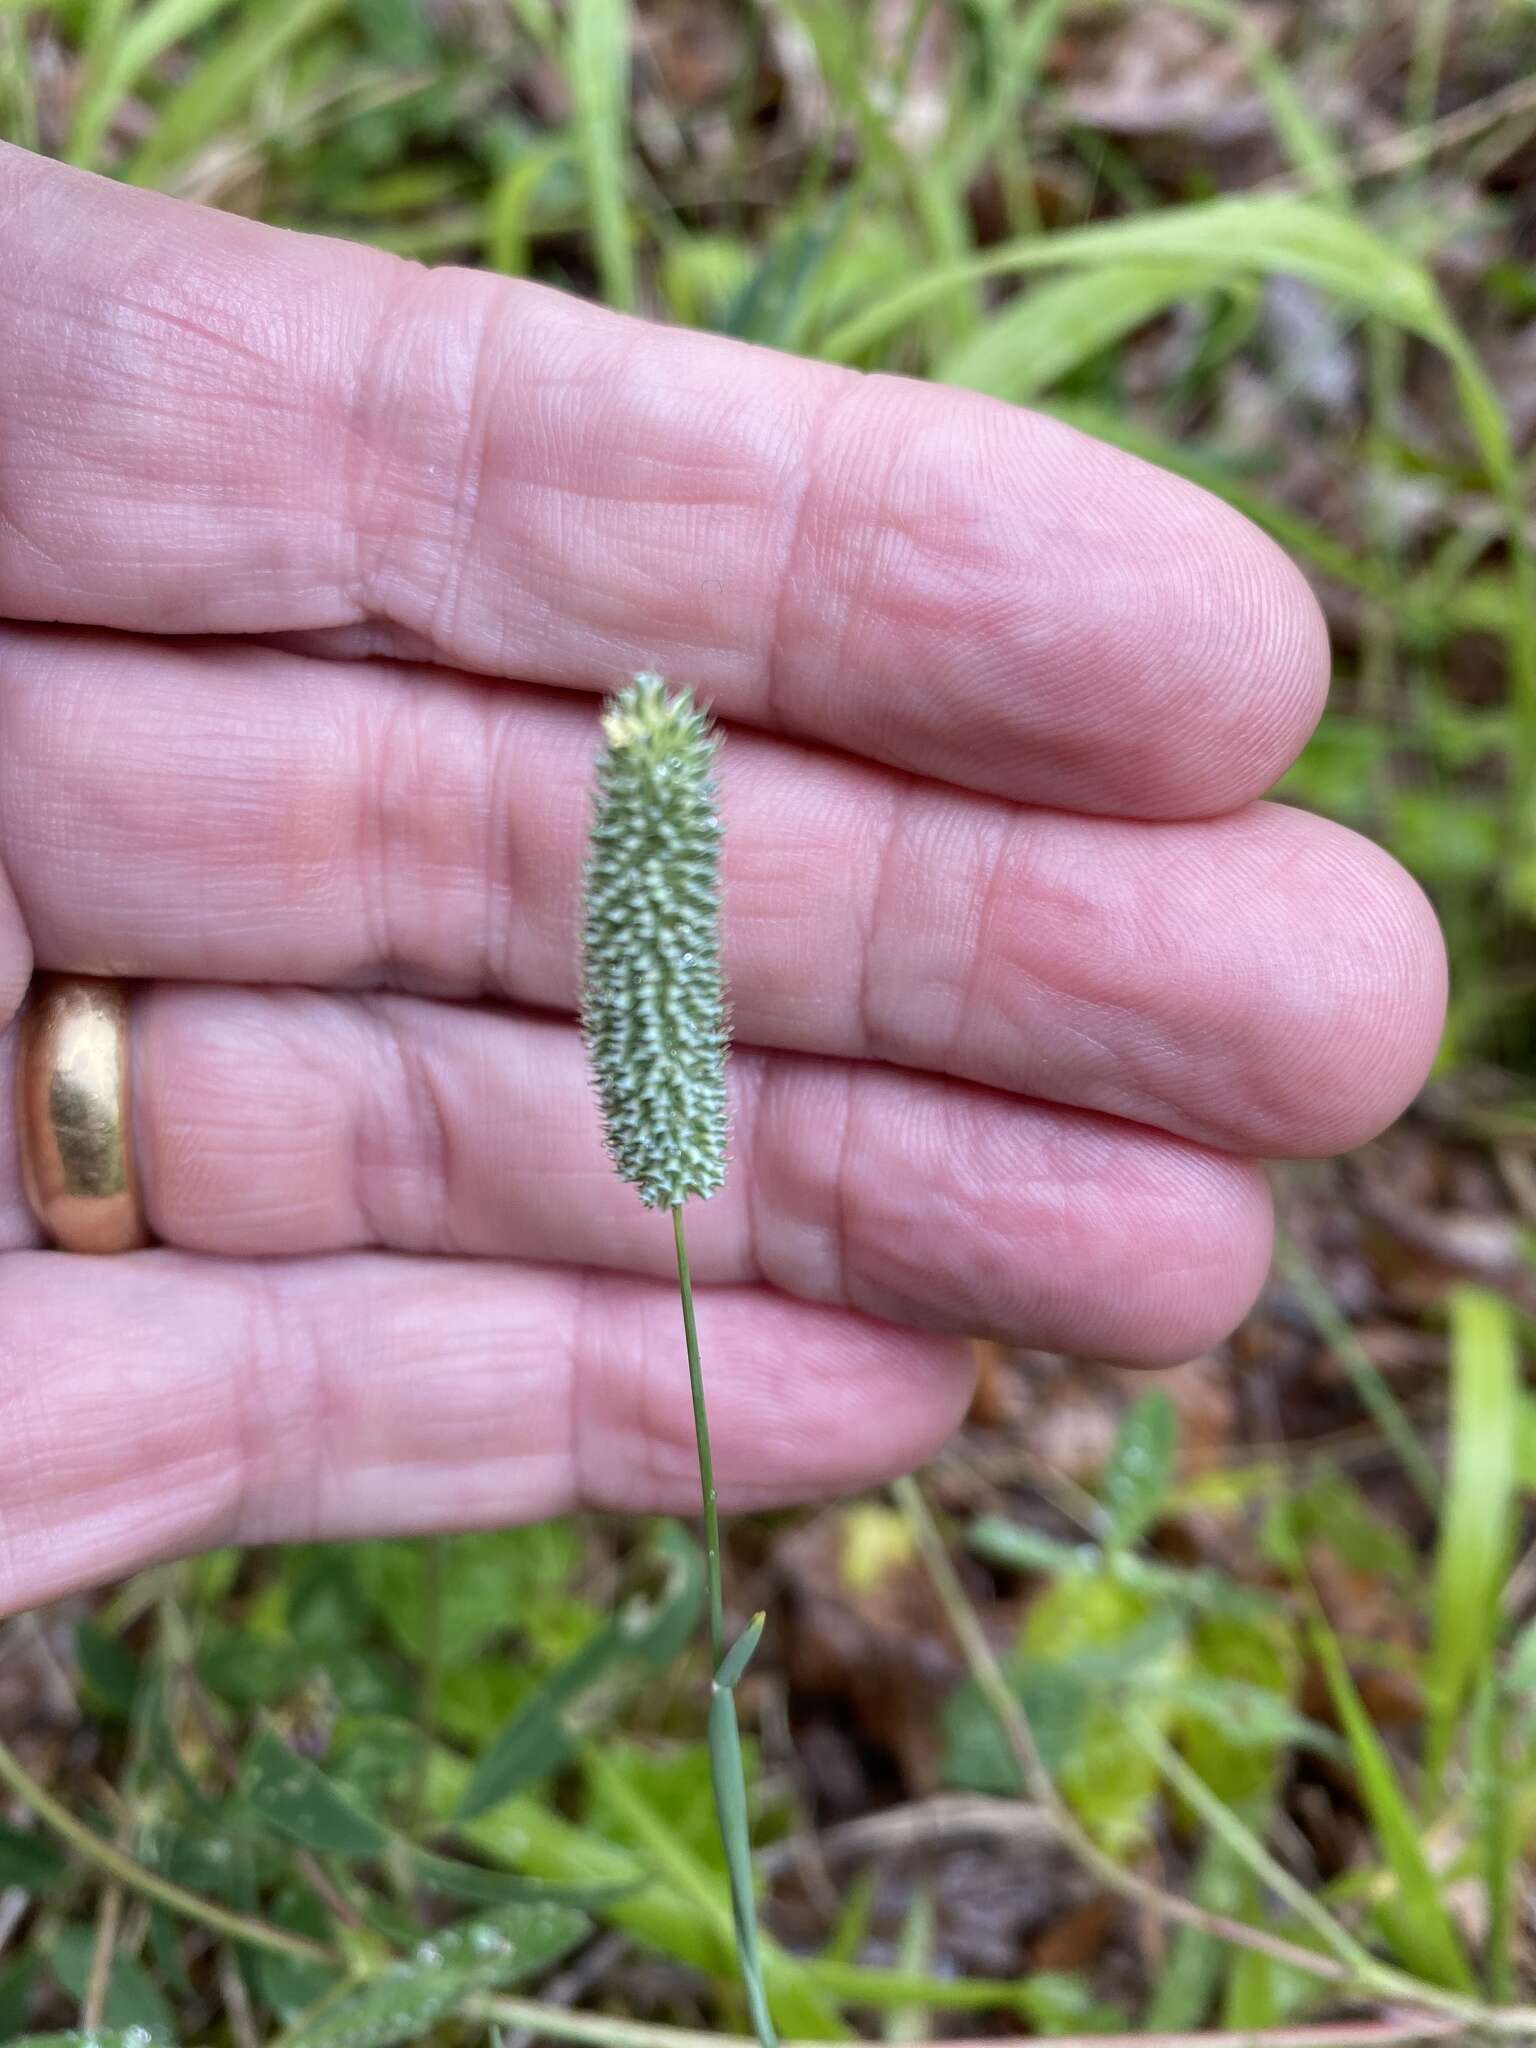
<point x="289" y="1121"/>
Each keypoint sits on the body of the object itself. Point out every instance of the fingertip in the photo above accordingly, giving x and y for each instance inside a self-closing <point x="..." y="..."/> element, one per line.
<point x="1216" y="1256"/>
<point x="1357" y="1033"/>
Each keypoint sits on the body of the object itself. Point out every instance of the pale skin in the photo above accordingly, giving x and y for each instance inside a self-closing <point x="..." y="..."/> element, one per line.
<point x="312" y="567"/>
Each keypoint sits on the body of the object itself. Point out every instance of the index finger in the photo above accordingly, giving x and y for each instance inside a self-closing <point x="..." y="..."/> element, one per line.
<point x="211" y="426"/>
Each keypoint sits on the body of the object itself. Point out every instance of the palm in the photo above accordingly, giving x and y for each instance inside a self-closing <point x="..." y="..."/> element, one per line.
<point x="1022" y="978"/>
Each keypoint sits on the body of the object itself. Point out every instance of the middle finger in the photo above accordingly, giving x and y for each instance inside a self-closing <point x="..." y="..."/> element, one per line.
<point x="1266" y="982"/>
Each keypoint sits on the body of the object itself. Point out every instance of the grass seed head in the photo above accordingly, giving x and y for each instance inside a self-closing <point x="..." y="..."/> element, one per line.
<point x="653" y="995"/>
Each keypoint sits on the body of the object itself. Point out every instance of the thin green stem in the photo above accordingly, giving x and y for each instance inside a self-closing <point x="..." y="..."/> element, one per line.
<point x="712" y="1577"/>
<point x="605" y="2030"/>
<point x="433" y="1573"/>
<point x="725" y="1765"/>
<point x="122" y="1867"/>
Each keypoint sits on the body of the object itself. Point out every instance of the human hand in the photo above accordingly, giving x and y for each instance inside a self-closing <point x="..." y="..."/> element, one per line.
<point x="1024" y="979"/>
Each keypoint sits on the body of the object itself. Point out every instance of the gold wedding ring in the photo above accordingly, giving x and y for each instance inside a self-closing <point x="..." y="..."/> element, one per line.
<point x="73" y="1114"/>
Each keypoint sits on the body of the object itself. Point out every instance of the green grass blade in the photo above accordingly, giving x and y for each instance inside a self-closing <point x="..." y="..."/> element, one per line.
<point x="1475" y="1528"/>
<point x="1365" y="1376"/>
<point x="115" y="66"/>
<point x="1416" y="1921"/>
<point x="509" y="206"/>
<point x="1257" y="236"/>
<point x="18" y="97"/>
<point x="1247" y="1849"/>
<point x="790" y="1982"/>
<point x="1497" y="1835"/>
<point x="729" y="1779"/>
<point x="1305" y="141"/>
<point x="597" y="72"/>
<point x="1054" y="329"/>
<point x="221" y="87"/>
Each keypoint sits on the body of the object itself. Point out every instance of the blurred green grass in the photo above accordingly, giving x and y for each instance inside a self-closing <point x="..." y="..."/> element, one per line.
<point x="1323" y="326"/>
<point x="909" y="188"/>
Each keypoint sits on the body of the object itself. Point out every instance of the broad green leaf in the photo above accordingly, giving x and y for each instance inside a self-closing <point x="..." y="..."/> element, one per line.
<point x="484" y="1954"/>
<point x="296" y="1797"/>
<point x="492" y="1583"/>
<point x="1098" y="1632"/>
<point x="1204" y="1589"/>
<point x="1256" y="235"/>
<point x="1234" y="1708"/>
<point x="477" y="1885"/>
<point x="109" y="1668"/>
<point x="16" y="1981"/>
<point x="1416" y="1921"/>
<point x="1140" y="1470"/>
<point x="98" y="2037"/>
<point x="249" y="1670"/>
<point x="540" y="1737"/>
<point x="543" y="1731"/>
<point x="133" y="2000"/>
<point x="978" y="1756"/>
<point x="1261" y="236"/>
<point x="1477" y="1523"/>
<point x="288" y="1985"/>
<point x="1054" y="328"/>
<point x="28" y="1860"/>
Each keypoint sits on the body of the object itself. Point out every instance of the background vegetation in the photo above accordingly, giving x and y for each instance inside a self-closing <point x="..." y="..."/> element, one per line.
<point x="1209" y="1705"/>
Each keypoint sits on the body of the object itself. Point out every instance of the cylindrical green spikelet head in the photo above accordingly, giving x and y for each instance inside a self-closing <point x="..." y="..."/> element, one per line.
<point x="653" y="996"/>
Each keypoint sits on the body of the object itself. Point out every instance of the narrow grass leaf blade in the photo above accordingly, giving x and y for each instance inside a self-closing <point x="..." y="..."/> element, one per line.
<point x="1187" y="1981"/>
<point x="1476" y="1525"/>
<point x="1416" y="1922"/>
<point x="1257" y="236"/>
<point x="537" y="1739"/>
<point x="1497" y="1834"/>
<point x="1365" y="1376"/>
<point x="1305" y="141"/>
<point x="1248" y="1850"/>
<point x="221" y="87"/>
<point x="597" y="72"/>
<point x="730" y="1782"/>
<point x="800" y="2004"/>
<point x="739" y="1656"/>
<point x="117" y="64"/>
<point x="1052" y="330"/>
